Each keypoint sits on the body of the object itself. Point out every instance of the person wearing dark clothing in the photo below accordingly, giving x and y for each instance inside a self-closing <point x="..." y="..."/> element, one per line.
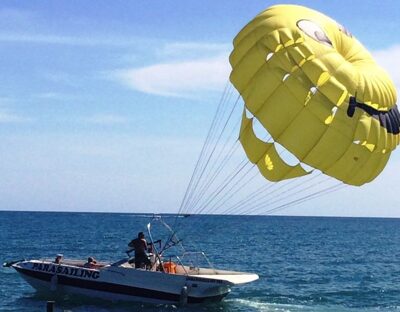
<point x="58" y="259"/>
<point x="139" y="244"/>
<point x="91" y="263"/>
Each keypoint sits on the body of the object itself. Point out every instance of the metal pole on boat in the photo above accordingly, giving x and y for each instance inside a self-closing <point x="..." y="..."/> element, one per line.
<point x="50" y="306"/>
<point x="184" y="296"/>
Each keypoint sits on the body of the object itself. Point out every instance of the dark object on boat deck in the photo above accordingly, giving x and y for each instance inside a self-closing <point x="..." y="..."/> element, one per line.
<point x="50" y="306"/>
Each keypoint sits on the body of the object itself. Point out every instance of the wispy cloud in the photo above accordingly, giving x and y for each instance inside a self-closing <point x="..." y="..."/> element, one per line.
<point x="53" y="96"/>
<point x="390" y="60"/>
<point x="198" y="67"/>
<point x="179" y="79"/>
<point x="182" y="69"/>
<point x="106" y="119"/>
<point x="63" y="40"/>
<point x="59" y="77"/>
<point x="27" y="38"/>
<point x="7" y="117"/>
<point x="192" y="49"/>
<point x="32" y="27"/>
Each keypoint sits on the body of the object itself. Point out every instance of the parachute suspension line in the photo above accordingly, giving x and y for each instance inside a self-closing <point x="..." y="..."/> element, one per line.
<point x="257" y="192"/>
<point x="214" y="132"/>
<point x="301" y="186"/>
<point x="211" y="181"/>
<point x="314" y="195"/>
<point x="227" y="195"/>
<point x="224" y="110"/>
<point x="211" y="142"/>
<point x="242" y="183"/>
<point x="255" y="196"/>
<point x="206" y="142"/>
<point x="242" y="165"/>
<point x="211" y="153"/>
<point x="237" y="186"/>
<point x="234" y="190"/>
<point x="202" y="182"/>
<point x="217" y="190"/>
<point x="277" y="191"/>
<point x="234" y="187"/>
<point x="281" y="196"/>
<point x="213" y="172"/>
<point x="266" y="195"/>
<point x="208" y="181"/>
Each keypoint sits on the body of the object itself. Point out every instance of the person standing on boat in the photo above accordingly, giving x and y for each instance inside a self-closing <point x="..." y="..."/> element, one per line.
<point x="91" y="263"/>
<point x="139" y="244"/>
<point x="58" y="259"/>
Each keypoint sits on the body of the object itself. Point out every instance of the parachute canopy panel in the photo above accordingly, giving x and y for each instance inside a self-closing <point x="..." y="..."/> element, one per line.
<point x="318" y="92"/>
<point x="265" y="155"/>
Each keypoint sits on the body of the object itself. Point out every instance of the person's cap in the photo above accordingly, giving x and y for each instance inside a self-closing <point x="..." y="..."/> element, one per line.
<point x="90" y="259"/>
<point x="60" y="255"/>
<point x="140" y="234"/>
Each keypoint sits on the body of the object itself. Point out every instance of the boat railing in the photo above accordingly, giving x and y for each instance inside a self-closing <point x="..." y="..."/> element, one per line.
<point x="191" y="262"/>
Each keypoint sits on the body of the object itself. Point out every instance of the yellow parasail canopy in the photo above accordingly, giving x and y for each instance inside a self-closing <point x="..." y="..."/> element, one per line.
<point x="318" y="92"/>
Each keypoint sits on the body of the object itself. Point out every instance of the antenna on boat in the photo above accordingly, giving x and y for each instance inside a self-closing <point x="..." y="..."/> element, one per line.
<point x="153" y="243"/>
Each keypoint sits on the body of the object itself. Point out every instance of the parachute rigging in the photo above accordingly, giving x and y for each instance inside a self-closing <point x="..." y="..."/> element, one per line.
<point x="225" y="182"/>
<point x="322" y="102"/>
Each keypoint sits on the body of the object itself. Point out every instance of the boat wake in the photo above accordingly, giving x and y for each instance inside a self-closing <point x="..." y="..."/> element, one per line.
<point x="254" y="305"/>
<point x="262" y="306"/>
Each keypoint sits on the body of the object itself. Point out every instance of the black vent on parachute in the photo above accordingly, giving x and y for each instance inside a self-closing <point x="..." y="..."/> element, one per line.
<point x="389" y="120"/>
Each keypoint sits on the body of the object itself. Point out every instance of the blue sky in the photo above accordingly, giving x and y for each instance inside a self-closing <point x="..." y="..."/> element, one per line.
<point x="104" y="105"/>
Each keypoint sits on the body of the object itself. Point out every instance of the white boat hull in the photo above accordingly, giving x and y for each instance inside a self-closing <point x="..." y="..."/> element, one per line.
<point x="120" y="283"/>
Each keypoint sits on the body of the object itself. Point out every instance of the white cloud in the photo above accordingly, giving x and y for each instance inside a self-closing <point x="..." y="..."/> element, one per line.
<point x="200" y="71"/>
<point x="48" y="39"/>
<point x="7" y="117"/>
<point x="60" y="77"/>
<point x="180" y="79"/>
<point x="16" y="37"/>
<point x="390" y="60"/>
<point x="106" y="119"/>
<point x="51" y="96"/>
<point x="192" y="49"/>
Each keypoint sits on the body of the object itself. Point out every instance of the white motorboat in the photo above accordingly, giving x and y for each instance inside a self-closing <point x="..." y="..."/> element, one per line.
<point x="170" y="279"/>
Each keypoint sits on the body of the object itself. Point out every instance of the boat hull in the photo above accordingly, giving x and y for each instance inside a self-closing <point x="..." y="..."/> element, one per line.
<point x="120" y="284"/>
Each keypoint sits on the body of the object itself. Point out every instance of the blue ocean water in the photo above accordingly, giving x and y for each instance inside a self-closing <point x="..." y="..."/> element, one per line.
<point x="305" y="264"/>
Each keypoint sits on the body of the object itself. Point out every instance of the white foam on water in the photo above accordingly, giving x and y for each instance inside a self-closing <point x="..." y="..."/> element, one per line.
<point x="276" y="307"/>
<point x="268" y="307"/>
